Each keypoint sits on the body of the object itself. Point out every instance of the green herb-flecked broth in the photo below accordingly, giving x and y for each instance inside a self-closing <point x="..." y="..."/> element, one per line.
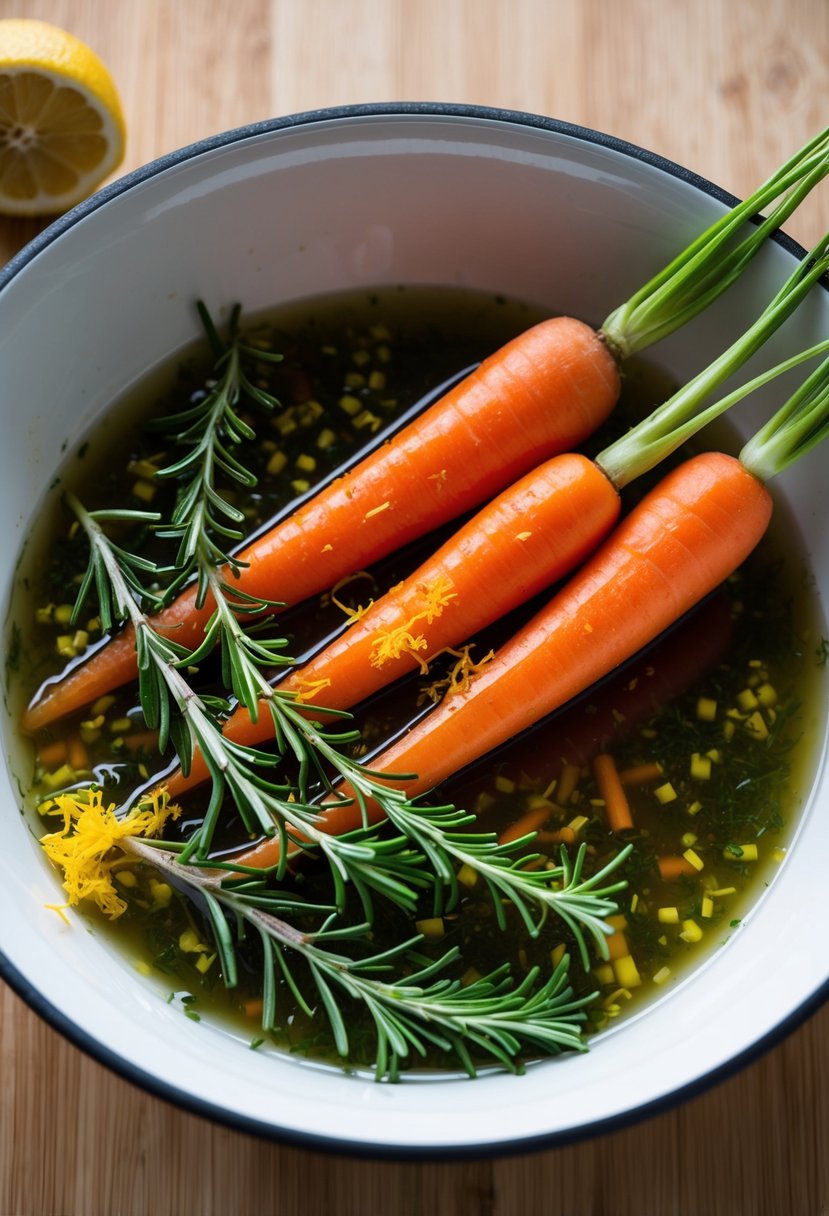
<point x="711" y="729"/>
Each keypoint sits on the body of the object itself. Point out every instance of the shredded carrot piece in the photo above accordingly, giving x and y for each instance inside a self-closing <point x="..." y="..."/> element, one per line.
<point x="142" y="740"/>
<point x="640" y="774"/>
<point x="77" y="756"/>
<point x="617" y="806"/>
<point x="565" y="835"/>
<point x="52" y="755"/>
<point x="674" y="867"/>
<point x="384" y="506"/>
<point x="531" y="821"/>
<point x="567" y="783"/>
<point x="617" y="945"/>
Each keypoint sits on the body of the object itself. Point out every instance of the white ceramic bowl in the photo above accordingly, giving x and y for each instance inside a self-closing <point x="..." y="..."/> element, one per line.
<point x="510" y="203"/>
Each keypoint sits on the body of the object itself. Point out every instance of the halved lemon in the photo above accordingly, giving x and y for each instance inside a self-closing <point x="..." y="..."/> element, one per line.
<point x="61" y="125"/>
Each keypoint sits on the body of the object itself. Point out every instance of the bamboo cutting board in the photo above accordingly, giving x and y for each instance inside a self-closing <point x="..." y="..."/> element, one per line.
<point x="727" y="87"/>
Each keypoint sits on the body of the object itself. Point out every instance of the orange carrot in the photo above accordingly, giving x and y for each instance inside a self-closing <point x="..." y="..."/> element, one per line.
<point x="565" y="835"/>
<point x="567" y="783"/>
<point x="527" y="538"/>
<point x="541" y="394"/>
<point x="617" y="808"/>
<point x="679" y="543"/>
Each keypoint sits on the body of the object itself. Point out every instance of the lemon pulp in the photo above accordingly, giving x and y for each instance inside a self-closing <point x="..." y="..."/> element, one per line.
<point x="61" y="125"/>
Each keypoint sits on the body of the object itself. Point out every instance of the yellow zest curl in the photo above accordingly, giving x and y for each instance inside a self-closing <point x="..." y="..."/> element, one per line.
<point x="353" y="614"/>
<point x="403" y="639"/>
<point x="310" y="688"/>
<point x="86" y="847"/>
<point x="460" y="674"/>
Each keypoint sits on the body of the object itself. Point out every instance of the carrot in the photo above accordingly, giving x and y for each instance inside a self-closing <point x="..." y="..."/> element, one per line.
<point x="532" y="535"/>
<point x="539" y="395"/>
<point x="77" y="756"/>
<point x="617" y="807"/>
<point x="141" y="740"/>
<point x="567" y="783"/>
<point x="617" y="945"/>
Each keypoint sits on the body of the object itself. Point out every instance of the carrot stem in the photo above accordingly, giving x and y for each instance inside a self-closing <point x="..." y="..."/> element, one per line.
<point x="699" y="274"/>
<point x="798" y="426"/>
<point x="680" y="417"/>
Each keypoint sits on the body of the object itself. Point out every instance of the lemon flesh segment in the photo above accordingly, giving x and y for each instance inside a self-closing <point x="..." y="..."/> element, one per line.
<point x="61" y="129"/>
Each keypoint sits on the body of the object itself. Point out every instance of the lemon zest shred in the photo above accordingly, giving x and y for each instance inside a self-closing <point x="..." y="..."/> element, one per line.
<point x="384" y="506"/>
<point x="353" y="614"/>
<point x="60" y="910"/>
<point x="460" y="674"/>
<point x="403" y="640"/>
<point x="84" y="849"/>
<point x="310" y="688"/>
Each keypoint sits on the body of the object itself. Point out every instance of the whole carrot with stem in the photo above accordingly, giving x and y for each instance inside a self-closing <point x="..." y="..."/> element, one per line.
<point x="529" y="537"/>
<point x="679" y="543"/>
<point x="541" y="394"/>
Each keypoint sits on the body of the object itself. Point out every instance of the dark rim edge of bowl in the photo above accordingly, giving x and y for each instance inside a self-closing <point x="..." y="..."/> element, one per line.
<point x="373" y="109"/>
<point x="152" y="1084"/>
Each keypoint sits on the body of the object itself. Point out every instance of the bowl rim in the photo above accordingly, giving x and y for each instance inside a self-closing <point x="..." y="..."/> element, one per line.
<point x="171" y="1092"/>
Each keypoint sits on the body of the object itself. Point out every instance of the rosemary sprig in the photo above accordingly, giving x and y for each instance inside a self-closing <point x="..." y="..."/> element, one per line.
<point x="490" y="1017"/>
<point x="582" y="903"/>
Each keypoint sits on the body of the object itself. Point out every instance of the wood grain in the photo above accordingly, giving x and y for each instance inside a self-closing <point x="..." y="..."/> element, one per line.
<point x="728" y="87"/>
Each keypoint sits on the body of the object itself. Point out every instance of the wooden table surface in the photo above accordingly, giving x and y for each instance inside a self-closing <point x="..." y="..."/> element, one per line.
<point x="727" y="87"/>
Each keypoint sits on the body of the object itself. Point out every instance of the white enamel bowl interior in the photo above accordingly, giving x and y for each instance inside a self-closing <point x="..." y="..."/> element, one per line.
<point x="555" y="216"/>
